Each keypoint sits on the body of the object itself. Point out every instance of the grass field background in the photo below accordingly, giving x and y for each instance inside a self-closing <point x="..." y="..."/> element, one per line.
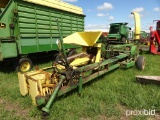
<point x="105" y="98"/>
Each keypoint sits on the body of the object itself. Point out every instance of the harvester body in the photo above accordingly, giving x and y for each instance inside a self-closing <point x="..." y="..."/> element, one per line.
<point x="118" y="31"/>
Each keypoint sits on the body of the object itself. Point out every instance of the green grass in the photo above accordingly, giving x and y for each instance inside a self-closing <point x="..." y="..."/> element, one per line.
<point x="107" y="97"/>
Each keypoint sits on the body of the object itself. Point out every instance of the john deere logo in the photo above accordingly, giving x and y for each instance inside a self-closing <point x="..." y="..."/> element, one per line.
<point x="2" y="25"/>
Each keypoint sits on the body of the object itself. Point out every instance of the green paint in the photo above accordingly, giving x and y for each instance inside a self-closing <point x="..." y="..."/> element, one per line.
<point x="80" y="84"/>
<point x="29" y="49"/>
<point x="53" y="95"/>
<point x="45" y="47"/>
<point x="128" y="64"/>
<point x="118" y="31"/>
<point x="85" y="80"/>
<point x="35" y="27"/>
<point x="8" y="50"/>
<point x="40" y="101"/>
<point x="133" y="50"/>
<point x="99" y="73"/>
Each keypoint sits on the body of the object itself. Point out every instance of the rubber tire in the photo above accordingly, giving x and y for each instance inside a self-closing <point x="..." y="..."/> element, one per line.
<point x="140" y="62"/>
<point x="19" y="63"/>
<point x="71" y="53"/>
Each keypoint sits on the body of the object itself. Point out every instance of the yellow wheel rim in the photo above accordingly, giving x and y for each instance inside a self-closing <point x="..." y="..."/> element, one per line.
<point x="25" y="66"/>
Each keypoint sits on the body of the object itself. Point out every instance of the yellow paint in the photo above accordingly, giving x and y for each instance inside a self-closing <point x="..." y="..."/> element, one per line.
<point x="60" y="67"/>
<point x="98" y="55"/>
<point x="22" y="84"/>
<point x="33" y="85"/>
<point x="39" y="76"/>
<point x="84" y="49"/>
<point x="24" y="89"/>
<point x="83" y="38"/>
<point x="80" y="61"/>
<point x="37" y="83"/>
<point x="58" y="4"/>
<point x="2" y="25"/>
<point x="33" y="90"/>
<point x="137" y="25"/>
<point x="40" y="87"/>
<point x="25" y="66"/>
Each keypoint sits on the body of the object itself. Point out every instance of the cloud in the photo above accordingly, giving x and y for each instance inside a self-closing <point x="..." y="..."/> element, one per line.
<point x="157" y="9"/>
<point x="111" y="18"/>
<point x="105" y="6"/>
<point x="140" y="9"/>
<point x="102" y="15"/>
<point x="89" y="10"/>
<point x="70" y="0"/>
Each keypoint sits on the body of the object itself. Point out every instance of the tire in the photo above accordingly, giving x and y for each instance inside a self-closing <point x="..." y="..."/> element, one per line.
<point x="71" y="53"/>
<point x="23" y="65"/>
<point x="140" y="62"/>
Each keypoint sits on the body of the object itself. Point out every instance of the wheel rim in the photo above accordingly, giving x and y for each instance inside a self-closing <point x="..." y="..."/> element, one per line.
<point x="25" y="66"/>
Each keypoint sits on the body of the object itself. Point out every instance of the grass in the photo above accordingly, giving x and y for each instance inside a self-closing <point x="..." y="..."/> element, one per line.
<point x="107" y="97"/>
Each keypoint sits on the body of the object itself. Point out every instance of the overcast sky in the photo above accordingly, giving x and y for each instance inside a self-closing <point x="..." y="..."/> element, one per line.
<point x="100" y="13"/>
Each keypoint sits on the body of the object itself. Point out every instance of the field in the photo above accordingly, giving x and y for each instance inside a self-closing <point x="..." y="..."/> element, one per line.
<point x="106" y="98"/>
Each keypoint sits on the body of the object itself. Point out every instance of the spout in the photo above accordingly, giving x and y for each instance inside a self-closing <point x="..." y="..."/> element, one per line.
<point x="137" y="25"/>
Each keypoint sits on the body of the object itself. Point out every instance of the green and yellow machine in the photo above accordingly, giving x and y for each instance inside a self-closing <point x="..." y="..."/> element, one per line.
<point x="118" y="32"/>
<point x="28" y="28"/>
<point x="96" y="59"/>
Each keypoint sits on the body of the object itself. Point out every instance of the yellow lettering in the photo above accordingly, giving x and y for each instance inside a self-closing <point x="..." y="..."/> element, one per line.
<point x="2" y="25"/>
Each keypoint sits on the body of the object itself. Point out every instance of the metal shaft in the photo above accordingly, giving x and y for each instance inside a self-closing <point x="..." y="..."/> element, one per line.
<point x="61" y="42"/>
<point x="53" y="96"/>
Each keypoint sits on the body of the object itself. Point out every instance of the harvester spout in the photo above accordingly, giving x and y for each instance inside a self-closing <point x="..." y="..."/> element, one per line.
<point x="137" y="25"/>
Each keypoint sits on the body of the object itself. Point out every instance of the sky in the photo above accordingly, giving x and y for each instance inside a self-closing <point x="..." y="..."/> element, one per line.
<point x="100" y="13"/>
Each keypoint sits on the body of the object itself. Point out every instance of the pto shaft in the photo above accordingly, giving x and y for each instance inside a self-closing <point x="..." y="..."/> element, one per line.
<point x="45" y="109"/>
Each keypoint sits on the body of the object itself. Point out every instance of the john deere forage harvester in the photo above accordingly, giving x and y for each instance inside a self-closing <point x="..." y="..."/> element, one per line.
<point x="96" y="59"/>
